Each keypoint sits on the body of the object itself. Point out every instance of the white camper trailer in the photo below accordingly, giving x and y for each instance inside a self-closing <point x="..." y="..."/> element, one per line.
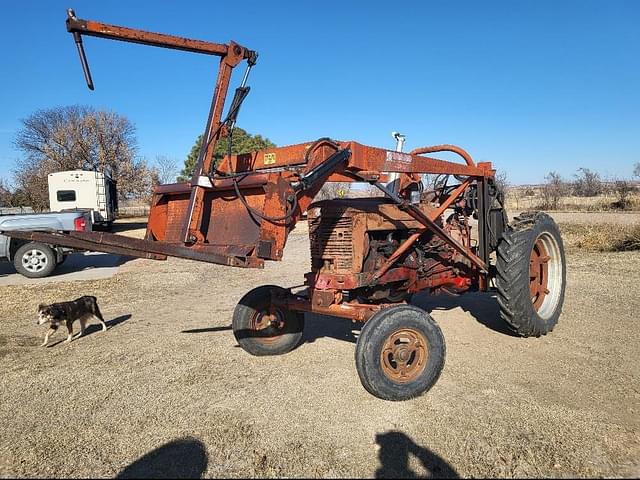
<point x="84" y="190"/>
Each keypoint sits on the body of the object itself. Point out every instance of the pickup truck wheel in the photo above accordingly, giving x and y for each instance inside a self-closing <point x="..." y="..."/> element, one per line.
<point x="34" y="260"/>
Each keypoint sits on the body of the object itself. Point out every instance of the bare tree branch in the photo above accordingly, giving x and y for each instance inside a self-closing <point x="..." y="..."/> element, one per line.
<point x="167" y="168"/>
<point x="79" y="137"/>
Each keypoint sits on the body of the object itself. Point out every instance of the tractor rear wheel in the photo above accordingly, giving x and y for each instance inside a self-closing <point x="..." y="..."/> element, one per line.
<point x="531" y="275"/>
<point x="262" y="329"/>
<point x="400" y="353"/>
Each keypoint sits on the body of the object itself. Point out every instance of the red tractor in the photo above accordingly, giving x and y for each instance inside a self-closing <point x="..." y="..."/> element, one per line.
<point x="368" y="255"/>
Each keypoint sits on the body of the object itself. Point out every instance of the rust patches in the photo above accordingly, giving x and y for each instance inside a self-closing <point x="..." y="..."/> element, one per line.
<point x="538" y="274"/>
<point x="241" y="213"/>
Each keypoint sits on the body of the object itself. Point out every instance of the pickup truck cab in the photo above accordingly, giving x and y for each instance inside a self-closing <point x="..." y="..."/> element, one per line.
<point x="35" y="259"/>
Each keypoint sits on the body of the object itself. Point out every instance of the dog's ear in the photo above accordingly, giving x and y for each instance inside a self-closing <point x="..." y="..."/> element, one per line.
<point x="41" y="307"/>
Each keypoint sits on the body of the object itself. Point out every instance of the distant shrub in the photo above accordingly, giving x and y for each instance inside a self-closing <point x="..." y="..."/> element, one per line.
<point x="588" y="183"/>
<point x="623" y="190"/>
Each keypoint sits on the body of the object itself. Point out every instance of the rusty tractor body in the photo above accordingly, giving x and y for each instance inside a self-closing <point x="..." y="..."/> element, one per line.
<point x="368" y="255"/>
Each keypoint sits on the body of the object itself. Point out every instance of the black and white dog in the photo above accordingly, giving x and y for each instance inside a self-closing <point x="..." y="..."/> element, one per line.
<point x="81" y="309"/>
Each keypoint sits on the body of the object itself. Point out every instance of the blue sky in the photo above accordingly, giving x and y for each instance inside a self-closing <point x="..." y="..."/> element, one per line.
<point x="532" y="86"/>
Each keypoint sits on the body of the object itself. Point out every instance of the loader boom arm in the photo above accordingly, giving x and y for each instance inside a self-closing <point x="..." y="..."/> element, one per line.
<point x="230" y="54"/>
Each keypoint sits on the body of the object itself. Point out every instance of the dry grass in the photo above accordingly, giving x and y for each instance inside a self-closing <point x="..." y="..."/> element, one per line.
<point x="602" y="237"/>
<point x="518" y="200"/>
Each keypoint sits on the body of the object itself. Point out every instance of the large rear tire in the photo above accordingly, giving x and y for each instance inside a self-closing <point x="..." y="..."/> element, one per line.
<point x="263" y="330"/>
<point x="400" y="353"/>
<point x="531" y="275"/>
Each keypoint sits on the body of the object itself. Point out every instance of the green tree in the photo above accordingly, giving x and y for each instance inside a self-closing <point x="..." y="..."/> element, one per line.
<point x="243" y="142"/>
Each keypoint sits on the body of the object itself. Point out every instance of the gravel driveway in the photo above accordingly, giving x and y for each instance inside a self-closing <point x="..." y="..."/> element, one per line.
<point x="166" y="390"/>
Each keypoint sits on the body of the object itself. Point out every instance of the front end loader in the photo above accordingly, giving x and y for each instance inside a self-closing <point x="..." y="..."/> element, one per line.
<point x="368" y="255"/>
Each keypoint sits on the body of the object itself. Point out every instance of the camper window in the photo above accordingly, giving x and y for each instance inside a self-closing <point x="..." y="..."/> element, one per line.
<point x="66" y="195"/>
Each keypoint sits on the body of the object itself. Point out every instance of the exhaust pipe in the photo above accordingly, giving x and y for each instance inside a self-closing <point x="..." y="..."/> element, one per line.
<point x="394" y="177"/>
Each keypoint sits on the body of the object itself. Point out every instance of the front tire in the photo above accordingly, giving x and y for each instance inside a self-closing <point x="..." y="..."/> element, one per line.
<point x="531" y="275"/>
<point x="400" y="353"/>
<point x="34" y="260"/>
<point x="262" y="330"/>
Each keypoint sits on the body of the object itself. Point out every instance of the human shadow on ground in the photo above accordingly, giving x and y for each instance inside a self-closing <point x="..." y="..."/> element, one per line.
<point x="483" y="306"/>
<point x="184" y="458"/>
<point x="91" y="329"/>
<point x="394" y="456"/>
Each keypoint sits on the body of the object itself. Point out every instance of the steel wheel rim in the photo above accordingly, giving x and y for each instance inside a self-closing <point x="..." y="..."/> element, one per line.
<point x="269" y="327"/>
<point x="34" y="260"/>
<point x="404" y="355"/>
<point x="545" y="275"/>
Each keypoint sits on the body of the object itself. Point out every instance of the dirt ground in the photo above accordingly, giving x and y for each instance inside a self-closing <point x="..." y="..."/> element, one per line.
<point x="167" y="392"/>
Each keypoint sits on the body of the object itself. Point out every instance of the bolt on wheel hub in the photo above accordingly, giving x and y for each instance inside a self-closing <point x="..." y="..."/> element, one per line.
<point x="268" y="325"/>
<point x="34" y="260"/>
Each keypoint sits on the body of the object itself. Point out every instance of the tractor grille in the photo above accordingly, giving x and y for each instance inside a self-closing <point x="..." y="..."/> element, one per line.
<point x="331" y="243"/>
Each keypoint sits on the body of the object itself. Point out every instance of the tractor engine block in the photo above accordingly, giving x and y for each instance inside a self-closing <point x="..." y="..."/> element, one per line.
<point x="352" y="238"/>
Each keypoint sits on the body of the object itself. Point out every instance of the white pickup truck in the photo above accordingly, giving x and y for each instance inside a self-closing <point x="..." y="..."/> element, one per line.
<point x="35" y="259"/>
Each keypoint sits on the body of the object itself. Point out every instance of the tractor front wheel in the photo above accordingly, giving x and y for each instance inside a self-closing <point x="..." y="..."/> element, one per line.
<point x="400" y="353"/>
<point x="262" y="329"/>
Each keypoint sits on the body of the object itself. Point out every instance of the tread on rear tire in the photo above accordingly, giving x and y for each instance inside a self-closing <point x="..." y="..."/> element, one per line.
<point x="531" y="275"/>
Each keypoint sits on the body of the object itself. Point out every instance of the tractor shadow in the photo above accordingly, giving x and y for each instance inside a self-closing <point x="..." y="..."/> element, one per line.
<point x="207" y="329"/>
<point x="483" y="306"/>
<point x="319" y="326"/>
<point x="77" y="262"/>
